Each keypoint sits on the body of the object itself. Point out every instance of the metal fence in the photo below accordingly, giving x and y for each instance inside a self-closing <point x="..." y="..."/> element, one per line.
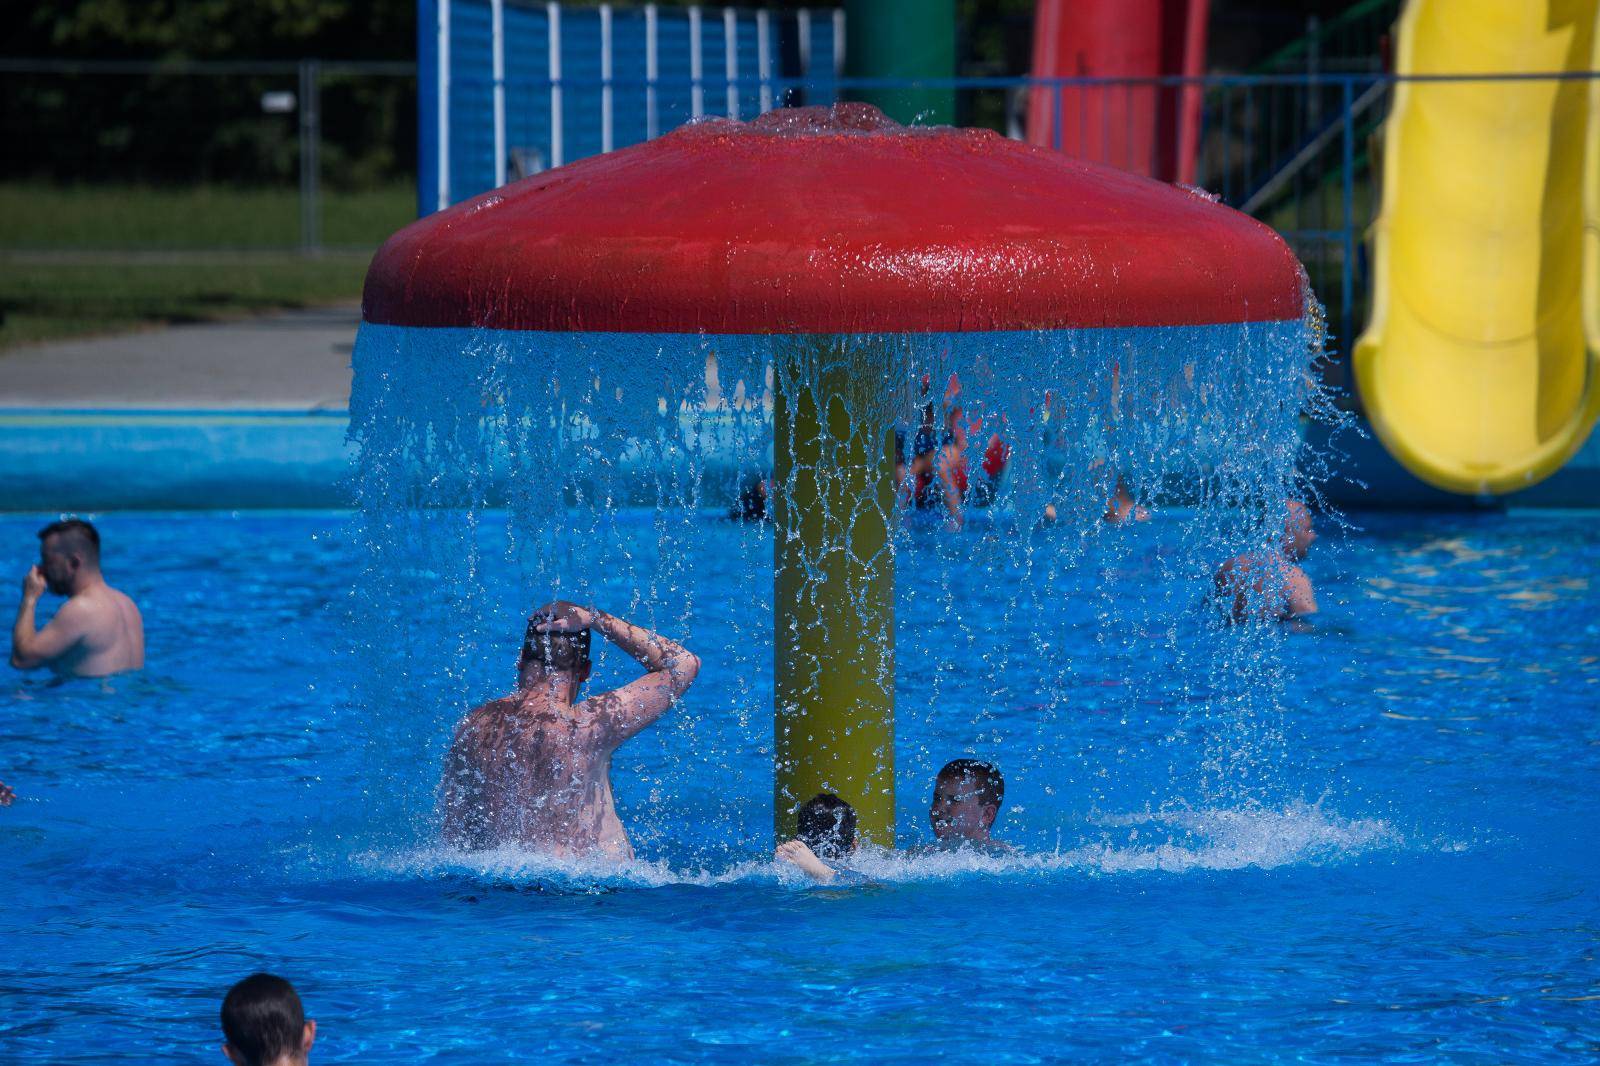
<point x="309" y="155"/>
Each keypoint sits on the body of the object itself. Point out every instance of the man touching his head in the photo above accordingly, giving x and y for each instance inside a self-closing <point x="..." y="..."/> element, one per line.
<point x="98" y="631"/>
<point x="533" y="769"/>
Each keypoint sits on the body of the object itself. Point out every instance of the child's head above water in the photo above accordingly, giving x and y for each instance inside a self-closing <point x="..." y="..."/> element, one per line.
<point x="966" y="799"/>
<point x="828" y="826"/>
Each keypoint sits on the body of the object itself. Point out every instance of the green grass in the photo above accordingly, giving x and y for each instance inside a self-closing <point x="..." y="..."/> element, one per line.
<point x="130" y="217"/>
<point x="46" y="298"/>
<point x="87" y="259"/>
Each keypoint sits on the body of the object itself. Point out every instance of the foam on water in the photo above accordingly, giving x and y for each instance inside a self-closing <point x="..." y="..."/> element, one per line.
<point x="1172" y="843"/>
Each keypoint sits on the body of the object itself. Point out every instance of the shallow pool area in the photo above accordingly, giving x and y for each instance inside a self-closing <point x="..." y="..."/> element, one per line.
<point x="1397" y="861"/>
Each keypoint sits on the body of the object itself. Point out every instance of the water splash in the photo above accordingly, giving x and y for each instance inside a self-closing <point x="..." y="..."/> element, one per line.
<point x="1169" y="843"/>
<point x="500" y="469"/>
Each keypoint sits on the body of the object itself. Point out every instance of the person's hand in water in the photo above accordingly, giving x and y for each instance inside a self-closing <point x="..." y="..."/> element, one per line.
<point x="6" y="795"/>
<point x="33" y="585"/>
<point x="562" y="616"/>
<point x="796" y="853"/>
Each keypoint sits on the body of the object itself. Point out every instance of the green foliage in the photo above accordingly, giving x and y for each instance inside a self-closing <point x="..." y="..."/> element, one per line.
<point x="181" y="126"/>
<point x="217" y="29"/>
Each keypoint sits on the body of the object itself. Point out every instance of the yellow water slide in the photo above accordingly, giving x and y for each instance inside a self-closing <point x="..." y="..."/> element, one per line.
<point x="1480" y="366"/>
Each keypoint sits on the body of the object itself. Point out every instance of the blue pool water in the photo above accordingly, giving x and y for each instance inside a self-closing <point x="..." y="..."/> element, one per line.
<point x="1400" y="863"/>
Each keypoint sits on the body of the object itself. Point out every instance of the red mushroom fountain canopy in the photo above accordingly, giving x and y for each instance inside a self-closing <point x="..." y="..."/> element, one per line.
<point x="832" y="220"/>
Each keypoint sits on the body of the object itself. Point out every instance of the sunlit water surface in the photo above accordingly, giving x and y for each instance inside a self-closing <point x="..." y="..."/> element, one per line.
<point x="1410" y="870"/>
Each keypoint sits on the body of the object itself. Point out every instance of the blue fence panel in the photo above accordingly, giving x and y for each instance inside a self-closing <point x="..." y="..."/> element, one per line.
<point x="747" y="97"/>
<point x="527" y="90"/>
<point x="471" y="101"/>
<point x="822" y="60"/>
<point x="714" y="67"/>
<point x="462" y="142"/>
<point x="629" y="64"/>
<point x="674" y="91"/>
<point x="581" y="94"/>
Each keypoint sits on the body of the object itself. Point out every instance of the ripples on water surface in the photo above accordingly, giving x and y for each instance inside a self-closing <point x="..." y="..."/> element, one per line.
<point x="1419" y="878"/>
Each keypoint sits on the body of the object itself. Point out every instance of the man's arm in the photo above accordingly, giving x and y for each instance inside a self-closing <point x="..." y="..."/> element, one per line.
<point x="32" y="648"/>
<point x="465" y="801"/>
<point x="1302" y="600"/>
<point x="671" y="668"/>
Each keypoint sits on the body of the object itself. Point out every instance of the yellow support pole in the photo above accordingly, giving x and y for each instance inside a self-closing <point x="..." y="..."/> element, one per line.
<point x="834" y="582"/>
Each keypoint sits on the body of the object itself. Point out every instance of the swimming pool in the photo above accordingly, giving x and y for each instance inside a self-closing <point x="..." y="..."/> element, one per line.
<point x="1413" y="875"/>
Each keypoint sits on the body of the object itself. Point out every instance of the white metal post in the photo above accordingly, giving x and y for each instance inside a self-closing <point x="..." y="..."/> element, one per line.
<point x="605" y="78"/>
<point x="444" y="104"/>
<point x="838" y="43"/>
<point x="802" y="20"/>
<point x="697" y="93"/>
<point x="652" y="70"/>
<point x="764" y="58"/>
<point x="730" y="58"/>
<point x="498" y="36"/>
<point x="553" y="13"/>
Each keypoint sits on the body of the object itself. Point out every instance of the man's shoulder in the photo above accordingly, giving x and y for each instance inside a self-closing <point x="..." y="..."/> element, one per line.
<point x="494" y="708"/>
<point x="101" y="602"/>
<point x="81" y="610"/>
<point x="478" y="717"/>
<point x="123" y="599"/>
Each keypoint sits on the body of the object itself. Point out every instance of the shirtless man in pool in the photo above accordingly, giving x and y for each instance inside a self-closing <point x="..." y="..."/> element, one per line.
<point x="98" y="630"/>
<point x="1270" y="585"/>
<point x="533" y="769"/>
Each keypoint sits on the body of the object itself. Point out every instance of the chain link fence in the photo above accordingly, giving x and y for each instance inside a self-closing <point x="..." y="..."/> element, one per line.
<point x="161" y="157"/>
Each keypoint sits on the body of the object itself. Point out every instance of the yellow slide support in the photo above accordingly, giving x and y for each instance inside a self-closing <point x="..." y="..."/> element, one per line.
<point x="1480" y="366"/>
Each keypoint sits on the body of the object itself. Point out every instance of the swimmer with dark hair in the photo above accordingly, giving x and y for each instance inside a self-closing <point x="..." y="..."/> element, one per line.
<point x="533" y="769"/>
<point x="966" y="801"/>
<point x="264" y="1023"/>
<point x="826" y="837"/>
<point x="97" y="632"/>
<point x="1269" y="586"/>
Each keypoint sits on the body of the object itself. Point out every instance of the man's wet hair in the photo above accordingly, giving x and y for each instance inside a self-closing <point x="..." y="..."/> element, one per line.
<point x="263" y="1019"/>
<point x="76" y="536"/>
<point x="986" y="776"/>
<point x="827" y="826"/>
<point x="554" y="653"/>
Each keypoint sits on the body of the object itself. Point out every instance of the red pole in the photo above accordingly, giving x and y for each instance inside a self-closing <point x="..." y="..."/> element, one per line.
<point x="1193" y="96"/>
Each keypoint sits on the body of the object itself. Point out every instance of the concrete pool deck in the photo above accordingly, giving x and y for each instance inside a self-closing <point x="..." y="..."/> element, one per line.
<point x="230" y="415"/>
<point x="290" y="361"/>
